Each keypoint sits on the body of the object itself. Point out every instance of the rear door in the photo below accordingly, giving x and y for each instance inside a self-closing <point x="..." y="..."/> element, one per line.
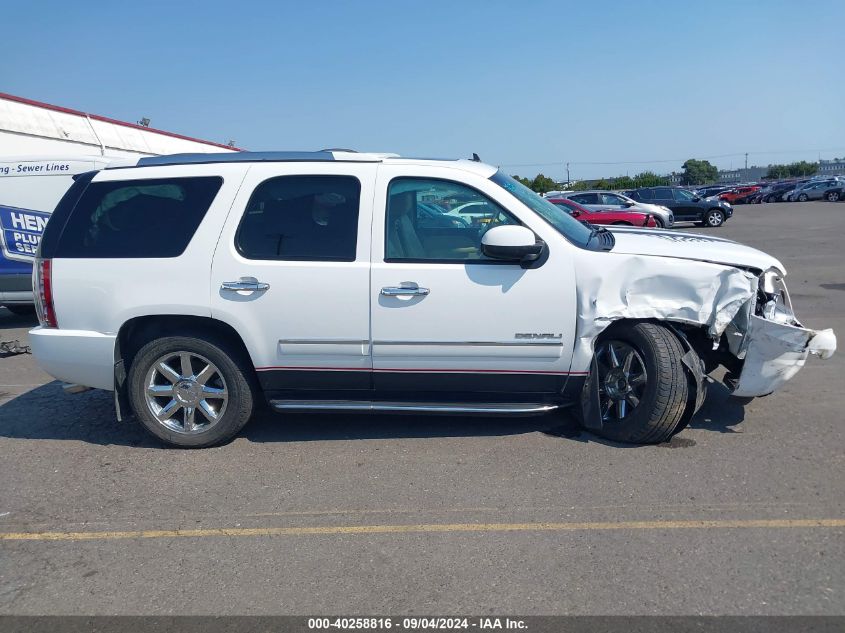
<point x="684" y="205"/>
<point x="291" y="274"/>
<point x="663" y="196"/>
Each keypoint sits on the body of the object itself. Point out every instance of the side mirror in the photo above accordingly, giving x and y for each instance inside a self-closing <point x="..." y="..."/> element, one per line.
<point x="630" y="203"/>
<point x="573" y="212"/>
<point x="513" y="243"/>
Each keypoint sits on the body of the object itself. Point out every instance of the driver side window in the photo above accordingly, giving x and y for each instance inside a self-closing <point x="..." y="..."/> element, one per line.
<point x="434" y="220"/>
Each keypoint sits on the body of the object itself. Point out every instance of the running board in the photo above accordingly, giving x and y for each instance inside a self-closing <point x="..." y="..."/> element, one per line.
<point x="368" y="406"/>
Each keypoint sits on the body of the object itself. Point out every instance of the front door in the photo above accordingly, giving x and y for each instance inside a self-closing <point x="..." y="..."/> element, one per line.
<point x="449" y="323"/>
<point x="291" y="274"/>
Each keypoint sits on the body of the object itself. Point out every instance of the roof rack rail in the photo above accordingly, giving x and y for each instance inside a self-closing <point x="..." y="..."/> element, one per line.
<point x="234" y="157"/>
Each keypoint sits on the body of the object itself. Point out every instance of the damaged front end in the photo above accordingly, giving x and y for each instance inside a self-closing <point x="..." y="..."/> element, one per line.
<point x="723" y="314"/>
<point x="770" y="342"/>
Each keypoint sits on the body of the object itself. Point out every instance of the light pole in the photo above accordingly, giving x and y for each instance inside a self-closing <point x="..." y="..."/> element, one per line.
<point x="567" y="175"/>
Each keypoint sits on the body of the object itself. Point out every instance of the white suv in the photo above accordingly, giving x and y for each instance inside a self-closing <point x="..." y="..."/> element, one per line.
<point x="194" y="286"/>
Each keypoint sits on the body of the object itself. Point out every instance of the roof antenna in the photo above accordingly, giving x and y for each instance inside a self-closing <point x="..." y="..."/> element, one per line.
<point x="475" y="157"/>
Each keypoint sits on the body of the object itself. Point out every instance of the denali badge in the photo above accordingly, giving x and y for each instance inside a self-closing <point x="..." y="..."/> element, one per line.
<point x="534" y="335"/>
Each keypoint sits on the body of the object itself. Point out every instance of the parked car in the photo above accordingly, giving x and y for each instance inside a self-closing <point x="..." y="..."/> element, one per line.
<point x="774" y="192"/>
<point x="474" y="212"/>
<point x="194" y="286"/>
<point x="604" y="216"/>
<point x="835" y="193"/>
<point x="812" y="190"/>
<point x="685" y="205"/>
<point x="433" y="215"/>
<point x="737" y="195"/>
<point x="598" y="200"/>
<point x="713" y="190"/>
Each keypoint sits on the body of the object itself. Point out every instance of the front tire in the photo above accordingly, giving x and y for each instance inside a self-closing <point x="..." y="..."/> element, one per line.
<point x="714" y="218"/>
<point x="833" y="196"/>
<point x="190" y="392"/>
<point x="802" y="197"/>
<point x="643" y="386"/>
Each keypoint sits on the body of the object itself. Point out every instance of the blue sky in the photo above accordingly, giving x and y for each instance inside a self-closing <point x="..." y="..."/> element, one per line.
<point x="523" y="84"/>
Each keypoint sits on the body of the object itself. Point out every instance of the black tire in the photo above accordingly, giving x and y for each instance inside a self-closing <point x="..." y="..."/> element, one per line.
<point x="714" y="218"/>
<point x="833" y="196"/>
<point x="802" y="197"/>
<point x="664" y="391"/>
<point x="234" y="371"/>
<point x="659" y="224"/>
<point x="20" y="309"/>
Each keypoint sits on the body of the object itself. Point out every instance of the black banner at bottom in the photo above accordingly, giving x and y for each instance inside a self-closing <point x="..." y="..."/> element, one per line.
<point x="535" y="624"/>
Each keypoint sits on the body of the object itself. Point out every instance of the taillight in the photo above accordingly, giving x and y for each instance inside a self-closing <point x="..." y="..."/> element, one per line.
<point x="42" y="288"/>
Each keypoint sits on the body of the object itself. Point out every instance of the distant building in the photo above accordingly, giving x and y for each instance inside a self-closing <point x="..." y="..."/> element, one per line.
<point x="730" y="176"/>
<point x="834" y="167"/>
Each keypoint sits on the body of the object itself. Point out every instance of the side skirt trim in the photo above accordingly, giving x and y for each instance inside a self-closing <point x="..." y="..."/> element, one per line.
<point x="415" y="407"/>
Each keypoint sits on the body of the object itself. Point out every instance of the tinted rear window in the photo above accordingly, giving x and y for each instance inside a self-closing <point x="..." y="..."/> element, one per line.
<point x="137" y="218"/>
<point x="313" y="218"/>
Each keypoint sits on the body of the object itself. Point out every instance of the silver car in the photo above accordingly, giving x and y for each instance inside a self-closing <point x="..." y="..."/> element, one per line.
<point x="812" y="190"/>
<point x="610" y="200"/>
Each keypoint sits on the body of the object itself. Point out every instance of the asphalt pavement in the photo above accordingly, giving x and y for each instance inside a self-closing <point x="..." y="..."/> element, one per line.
<point x="742" y="513"/>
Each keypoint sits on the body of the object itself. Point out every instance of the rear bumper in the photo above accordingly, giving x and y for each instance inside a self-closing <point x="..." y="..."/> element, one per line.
<point x="776" y="352"/>
<point x="77" y="356"/>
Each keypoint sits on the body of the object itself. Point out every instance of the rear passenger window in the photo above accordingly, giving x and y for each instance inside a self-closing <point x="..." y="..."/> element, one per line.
<point x="313" y="218"/>
<point x="137" y="218"/>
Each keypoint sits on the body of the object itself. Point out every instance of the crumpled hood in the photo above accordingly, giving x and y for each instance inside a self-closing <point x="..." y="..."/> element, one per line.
<point x="692" y="246"/>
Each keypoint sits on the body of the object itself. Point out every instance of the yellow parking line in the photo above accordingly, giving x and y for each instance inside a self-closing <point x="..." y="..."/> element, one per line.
<point x="432" y="527"/>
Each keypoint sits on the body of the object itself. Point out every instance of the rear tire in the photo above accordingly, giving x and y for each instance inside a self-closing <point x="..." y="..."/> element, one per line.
<point x="802" y="197"/>
<point x="644" y="403"/>
<point x="833" y="196"/>
<point x="193" y="403"/>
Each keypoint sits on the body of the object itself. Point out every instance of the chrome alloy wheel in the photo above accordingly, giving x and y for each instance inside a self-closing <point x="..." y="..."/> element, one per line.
<point x="714" y="218"/>
<point x="186" y="392"/>
<point x="622" y="379"/>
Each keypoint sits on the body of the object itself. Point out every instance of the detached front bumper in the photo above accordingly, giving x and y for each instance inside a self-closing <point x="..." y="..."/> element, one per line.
<point x="775" y="352"/>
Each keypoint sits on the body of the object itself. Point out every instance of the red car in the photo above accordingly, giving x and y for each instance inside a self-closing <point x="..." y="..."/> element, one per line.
<point x="609" y="216"/>
<point x="738" y="194"/>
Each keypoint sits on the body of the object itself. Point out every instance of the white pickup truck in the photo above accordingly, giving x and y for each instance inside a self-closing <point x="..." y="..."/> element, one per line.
<point x="194" y="286"/>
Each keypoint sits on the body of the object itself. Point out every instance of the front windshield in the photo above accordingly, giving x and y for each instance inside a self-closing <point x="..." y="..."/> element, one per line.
<point x="573" y="230"/>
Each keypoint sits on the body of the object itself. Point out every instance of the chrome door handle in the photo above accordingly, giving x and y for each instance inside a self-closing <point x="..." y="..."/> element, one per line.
<point x="404" y="291"/>
<point x="234" y="286"/>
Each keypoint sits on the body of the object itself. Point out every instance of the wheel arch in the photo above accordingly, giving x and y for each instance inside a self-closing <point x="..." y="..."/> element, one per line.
<point x="697" y="346"/>
<point x="140" y="330"/>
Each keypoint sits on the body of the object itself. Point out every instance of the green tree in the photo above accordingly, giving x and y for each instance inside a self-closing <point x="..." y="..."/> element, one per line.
<point x="542" y="184"/>
<point x="792" y="170"/>
<point x="698" y="172"/>
<point x="524" y="181"/>
<point x="649" y="179"/>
